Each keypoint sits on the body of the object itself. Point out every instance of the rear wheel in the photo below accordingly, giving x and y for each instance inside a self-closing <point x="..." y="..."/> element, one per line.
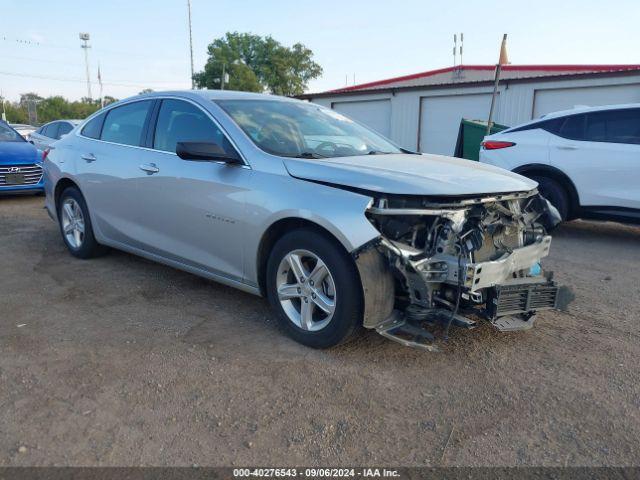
<point x="553" y="191"/>
<point x="75" y="225"/>
<point x="315" y="289"/>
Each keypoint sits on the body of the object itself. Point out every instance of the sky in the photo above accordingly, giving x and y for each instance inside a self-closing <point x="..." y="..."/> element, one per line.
<point x="145" y="44"/>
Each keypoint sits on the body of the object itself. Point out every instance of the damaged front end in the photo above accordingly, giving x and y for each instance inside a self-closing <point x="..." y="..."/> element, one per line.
<point x="453" y="261"/>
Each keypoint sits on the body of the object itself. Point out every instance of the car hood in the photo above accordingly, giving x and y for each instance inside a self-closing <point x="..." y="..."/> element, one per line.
<point x="410" y="174"/>
<point x="17" y="153"/>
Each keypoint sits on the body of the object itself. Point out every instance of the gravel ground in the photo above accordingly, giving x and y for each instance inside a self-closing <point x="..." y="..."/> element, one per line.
<point x="120" y="361"/>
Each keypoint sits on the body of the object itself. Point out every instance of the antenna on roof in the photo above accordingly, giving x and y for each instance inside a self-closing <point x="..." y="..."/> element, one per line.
<point x="457" y="69"/>
<point x="455" y="48"/>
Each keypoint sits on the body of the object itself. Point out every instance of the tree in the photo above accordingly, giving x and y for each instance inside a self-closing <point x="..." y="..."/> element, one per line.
<point x="257" y="64"/>
<point x="145" y="90"/>
<point x="32" y="106"/>
<point x="108" y="100"/>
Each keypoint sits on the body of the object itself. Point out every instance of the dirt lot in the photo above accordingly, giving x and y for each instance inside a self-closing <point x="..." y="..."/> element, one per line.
<point x="119" y="361"/>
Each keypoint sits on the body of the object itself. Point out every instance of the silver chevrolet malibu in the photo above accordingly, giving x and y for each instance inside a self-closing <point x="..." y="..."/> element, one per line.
<point x="338" y="227"/>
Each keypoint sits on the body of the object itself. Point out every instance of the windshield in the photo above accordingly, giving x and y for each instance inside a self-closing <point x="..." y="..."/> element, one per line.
<point x="305" y="130"/>
<point x="8" y="134"/>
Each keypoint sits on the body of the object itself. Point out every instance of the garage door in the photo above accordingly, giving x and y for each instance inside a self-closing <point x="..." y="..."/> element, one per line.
<point x="547" y="101"/>
<point x="440" y="119"/>
<point x="375" y="114"/>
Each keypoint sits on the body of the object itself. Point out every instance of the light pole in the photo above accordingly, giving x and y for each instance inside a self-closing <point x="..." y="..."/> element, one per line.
<point x="85" y="38"/>
<point x="193" y="85"/>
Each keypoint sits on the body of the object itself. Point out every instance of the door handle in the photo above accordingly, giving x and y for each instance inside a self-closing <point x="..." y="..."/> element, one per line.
<point x="568" y="147"/>
<point x="88" y="157"/>
<point x="150" y="168"/>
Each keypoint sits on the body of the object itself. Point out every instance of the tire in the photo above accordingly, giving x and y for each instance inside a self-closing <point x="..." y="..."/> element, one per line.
<point x="340" y="287"/>
<point x="555" y="193"/>
<point x="75" y="225"/>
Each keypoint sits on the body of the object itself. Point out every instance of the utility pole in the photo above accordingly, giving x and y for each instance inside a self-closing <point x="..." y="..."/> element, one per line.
<point x="85" y="38"/>
<point x="193" y="84"/>
<point x="4" y="112"/>
<point x="222" y="78"/>
<point x="503" y="60"/>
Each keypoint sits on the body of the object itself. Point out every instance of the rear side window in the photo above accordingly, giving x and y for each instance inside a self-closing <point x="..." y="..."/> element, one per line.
<point x="125" y="124"/>
<point x="51" y="130"/>
<point x="551" y="126"/>
<point x="614" y="126"/>
<point x="573" y="127"/>
<point x="63" y="129"/>
<point x="94" y="127"/>
<point x="180" y="121"/>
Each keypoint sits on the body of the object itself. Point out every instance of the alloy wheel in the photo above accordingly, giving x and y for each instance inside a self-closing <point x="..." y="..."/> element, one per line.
<point x="72" y="223"/>
<point x="306" y="290"/>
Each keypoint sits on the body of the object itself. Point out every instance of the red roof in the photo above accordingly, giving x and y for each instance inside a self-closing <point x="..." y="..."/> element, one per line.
<point x="478" y="73"/>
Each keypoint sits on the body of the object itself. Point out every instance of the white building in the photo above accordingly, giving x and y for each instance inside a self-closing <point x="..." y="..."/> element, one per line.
<point x="423" y="111"/>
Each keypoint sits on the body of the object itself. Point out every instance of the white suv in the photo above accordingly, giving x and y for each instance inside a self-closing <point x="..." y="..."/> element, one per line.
<point x="586" y="160"/>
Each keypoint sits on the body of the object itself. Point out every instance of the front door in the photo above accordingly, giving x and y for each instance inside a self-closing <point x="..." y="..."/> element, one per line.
<point x="600" y="151"/>
<point x="192" y="211"/>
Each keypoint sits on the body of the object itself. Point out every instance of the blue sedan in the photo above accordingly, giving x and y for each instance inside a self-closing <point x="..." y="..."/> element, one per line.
<point x="20" y="163"/>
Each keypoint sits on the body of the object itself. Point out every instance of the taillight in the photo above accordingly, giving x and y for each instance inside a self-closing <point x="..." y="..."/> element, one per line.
<point x="495" y="144"/>
<point x="45" y="153"/>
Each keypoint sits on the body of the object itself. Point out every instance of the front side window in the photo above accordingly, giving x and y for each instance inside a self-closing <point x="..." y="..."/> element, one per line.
<point x="125" y="124"/>
<point x="8" y="134"/>
<point x="614" y="126"/>
<point x="180" y="121"/>
<point x="306" y="130"/>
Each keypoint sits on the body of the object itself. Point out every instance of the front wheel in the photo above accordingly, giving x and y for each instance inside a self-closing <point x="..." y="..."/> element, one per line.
<point x="313" y="285"/>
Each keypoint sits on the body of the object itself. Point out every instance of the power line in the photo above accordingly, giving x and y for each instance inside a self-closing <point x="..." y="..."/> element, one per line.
<point x="34" y="43"/>
<point x="44" y="60"/>
<point x="69" y="79"/>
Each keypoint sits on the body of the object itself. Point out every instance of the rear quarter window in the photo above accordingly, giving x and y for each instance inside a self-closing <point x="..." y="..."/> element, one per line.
<point x="94" y="127"/>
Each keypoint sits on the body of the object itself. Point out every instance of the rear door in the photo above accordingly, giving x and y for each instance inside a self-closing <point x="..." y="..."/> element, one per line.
<point x="192" y="211"/>
<point x="108" y="163"/>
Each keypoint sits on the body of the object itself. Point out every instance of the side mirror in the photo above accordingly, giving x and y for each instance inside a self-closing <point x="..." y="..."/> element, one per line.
<point x="203" y="152"/>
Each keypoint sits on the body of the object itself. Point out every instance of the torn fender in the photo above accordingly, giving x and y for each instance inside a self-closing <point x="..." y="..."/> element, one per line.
<point x="377" y="286"/>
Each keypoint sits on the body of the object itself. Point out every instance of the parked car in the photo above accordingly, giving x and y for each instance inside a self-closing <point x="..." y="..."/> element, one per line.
<point x="51" y="132"/>
<point x="339" y="233"/>
<point x="20" y="163"/>
<point x="586" y="160"/>
<point x="23" y="129"/>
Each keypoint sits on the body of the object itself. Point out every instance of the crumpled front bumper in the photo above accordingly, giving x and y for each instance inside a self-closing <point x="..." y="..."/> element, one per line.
<point x="496" y="272"/>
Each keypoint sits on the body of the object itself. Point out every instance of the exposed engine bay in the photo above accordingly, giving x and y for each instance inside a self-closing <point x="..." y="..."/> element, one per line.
<point x="454" y="261"/>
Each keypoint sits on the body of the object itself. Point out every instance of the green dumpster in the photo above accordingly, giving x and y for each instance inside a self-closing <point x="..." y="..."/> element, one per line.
<point x="470" y="134"/>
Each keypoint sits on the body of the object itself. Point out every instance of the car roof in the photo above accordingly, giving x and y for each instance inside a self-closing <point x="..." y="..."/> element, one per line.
<point x="586" y="108"/>
<point x="216" y="95"/>
<point x="573" y="111"/>
<point x="71" y="121"/>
